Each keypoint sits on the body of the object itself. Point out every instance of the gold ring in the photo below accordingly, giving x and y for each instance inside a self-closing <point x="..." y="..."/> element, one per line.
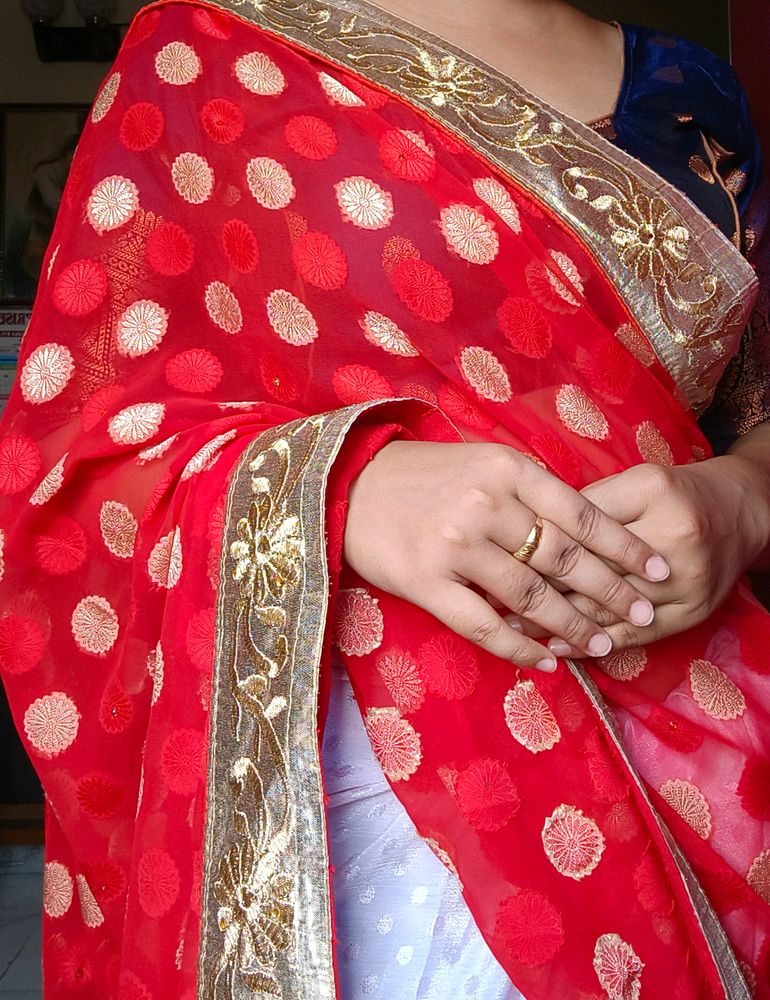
<point x="530" y="546"/>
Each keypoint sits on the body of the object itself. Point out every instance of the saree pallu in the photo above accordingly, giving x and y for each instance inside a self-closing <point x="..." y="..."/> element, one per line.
<point x="291" y="234"/>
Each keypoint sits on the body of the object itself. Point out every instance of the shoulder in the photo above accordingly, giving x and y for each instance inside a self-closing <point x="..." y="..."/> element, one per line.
<point x="689" y="69"/>
<point x="670" y="75"/>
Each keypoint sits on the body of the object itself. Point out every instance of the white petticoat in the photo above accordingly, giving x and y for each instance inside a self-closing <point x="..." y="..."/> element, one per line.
<point x="404" y="930"/>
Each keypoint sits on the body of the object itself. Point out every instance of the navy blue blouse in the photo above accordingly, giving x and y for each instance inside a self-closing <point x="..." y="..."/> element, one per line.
<point x="682" y="111"/>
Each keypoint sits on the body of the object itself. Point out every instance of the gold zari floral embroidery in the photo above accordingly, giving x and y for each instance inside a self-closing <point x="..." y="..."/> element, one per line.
<point x="685" y="284"/>
<point x="265" y="918"/>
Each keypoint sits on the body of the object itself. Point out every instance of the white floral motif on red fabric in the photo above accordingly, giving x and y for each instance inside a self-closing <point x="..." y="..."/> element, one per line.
<point x="46" y="373"/>
<point x="395" y="743"/>
<point x="572" y="842"/>
<point x="618" y="968"/>
<point x="51" y="723"/>
<point x="690" y="803"/>
<point x="95" y="625"/>
<point x="58" y="889"/>
<point x="530" y="720"/>
<point x="358" y="622"/>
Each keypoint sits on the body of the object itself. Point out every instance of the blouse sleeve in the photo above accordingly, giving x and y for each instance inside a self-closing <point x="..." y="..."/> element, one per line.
<point x="742" y="398"/>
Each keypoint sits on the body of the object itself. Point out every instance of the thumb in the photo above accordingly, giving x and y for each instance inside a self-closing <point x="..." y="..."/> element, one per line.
<point x="621" y="497"/>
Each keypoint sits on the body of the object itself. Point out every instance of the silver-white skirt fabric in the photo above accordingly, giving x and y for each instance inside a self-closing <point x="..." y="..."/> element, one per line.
<point x="404" y="930"/>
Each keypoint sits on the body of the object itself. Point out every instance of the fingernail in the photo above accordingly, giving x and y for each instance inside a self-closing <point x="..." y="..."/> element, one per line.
<point x="657" y="569"/>
<point x="641" y="613"/>
<point x="559" y="647"/>
<point x="600" y="645"/>
<point x="515" y="624"/>
<point x="547" y="666"/>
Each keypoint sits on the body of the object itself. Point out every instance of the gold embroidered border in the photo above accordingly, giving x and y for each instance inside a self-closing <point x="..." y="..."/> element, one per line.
<point x="265" y="921"/>
<point x="683" y="282"/>
<point x="725" y="962"/>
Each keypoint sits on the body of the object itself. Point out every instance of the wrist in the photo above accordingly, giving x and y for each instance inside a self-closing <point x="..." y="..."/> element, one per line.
<point x="749" y="503"/>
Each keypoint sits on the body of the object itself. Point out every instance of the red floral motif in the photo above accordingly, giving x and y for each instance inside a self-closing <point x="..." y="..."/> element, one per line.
<point x="460" y="408"/>
<point x="402" y="678"/>
<point x="80" y="288"/>
<point x="99" y="796"/>
<point x="407" y="155"/>
<point x="223" y="121"/>
<point x="358" y="383"/>
<point x="278" y="379"/>
<point x="116" y="709"/>
<point x="448" y="666"/>
<point x="200" y="638"/>
<point x="170" y="250"/>
<point x="320" y="261"/>
<point x="525" y="327"/>
<point x="651" y="885"/>
<point x="105" y="879"/>
<point x="240" y="245"/>
<point x="310" y="137"/>
<point x="142" y="126"/>
<point x="196" y="370"/>
<point x="558" y="456"/>
<point x="423" y="289"/>
<point x="157" y="883"/>
<point x="96" y="407"/>
<point x="62" y="548"/>
<point x="754" y="787"/>
<point x="675" y="730"/>
<point x="215" y="25"/>
<point x="725" y="888"/>
<point x="358" y="622"/>
<point x="183" y="759"/>
<point x="610" y="369"/>
<point x="618" y="968"/>
<point x="395" y="743"/>
<point x="19" y="462"/>
<point x="131" y="987"/>
<point x="531" y="927"/>
<point x="573" y="843"/>
<point x="395" y="249"/>
<point x="22" y="644"/>
<point x="486" y="794"/>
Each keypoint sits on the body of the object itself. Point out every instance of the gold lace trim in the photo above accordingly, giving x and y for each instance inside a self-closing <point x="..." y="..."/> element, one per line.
<point x="266" y="928"/>
<point x="683" y="282"/>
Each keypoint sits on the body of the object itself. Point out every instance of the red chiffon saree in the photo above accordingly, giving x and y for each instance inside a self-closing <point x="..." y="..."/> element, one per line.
<point x="292" y="233"/>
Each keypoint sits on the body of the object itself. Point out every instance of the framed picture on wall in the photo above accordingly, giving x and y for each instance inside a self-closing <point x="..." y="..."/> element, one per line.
<point x="37" y="142"/>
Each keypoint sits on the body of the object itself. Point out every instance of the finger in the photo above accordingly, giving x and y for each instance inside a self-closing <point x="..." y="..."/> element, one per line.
<point x="469" y="615"/>
<point x="528" y="594"/>
<point x="628" y="496"/>
<point x="596" y="612"/>
<point x="561" y="558"/>
<point x="670" y="620"/>
<point x="583" y="521"/>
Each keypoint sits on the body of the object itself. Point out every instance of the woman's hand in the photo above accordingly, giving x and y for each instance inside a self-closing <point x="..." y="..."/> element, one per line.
<point x="430" y="522"/>
<point x="711" y="522"/>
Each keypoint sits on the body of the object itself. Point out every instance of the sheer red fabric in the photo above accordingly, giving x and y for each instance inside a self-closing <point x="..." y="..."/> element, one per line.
<point x="250" y="234"/>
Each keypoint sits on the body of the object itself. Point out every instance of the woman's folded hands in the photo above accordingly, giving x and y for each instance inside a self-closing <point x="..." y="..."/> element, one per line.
<point x="437" y="524"/>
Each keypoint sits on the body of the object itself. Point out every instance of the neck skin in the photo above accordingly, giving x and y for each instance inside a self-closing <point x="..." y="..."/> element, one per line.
<point x="570" y="60"/>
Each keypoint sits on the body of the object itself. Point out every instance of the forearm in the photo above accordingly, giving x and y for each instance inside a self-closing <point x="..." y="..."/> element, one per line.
<point x="753" y="468"/>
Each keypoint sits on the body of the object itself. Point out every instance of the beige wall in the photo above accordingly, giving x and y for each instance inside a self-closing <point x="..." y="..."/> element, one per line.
<point x="23" y="78"/>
